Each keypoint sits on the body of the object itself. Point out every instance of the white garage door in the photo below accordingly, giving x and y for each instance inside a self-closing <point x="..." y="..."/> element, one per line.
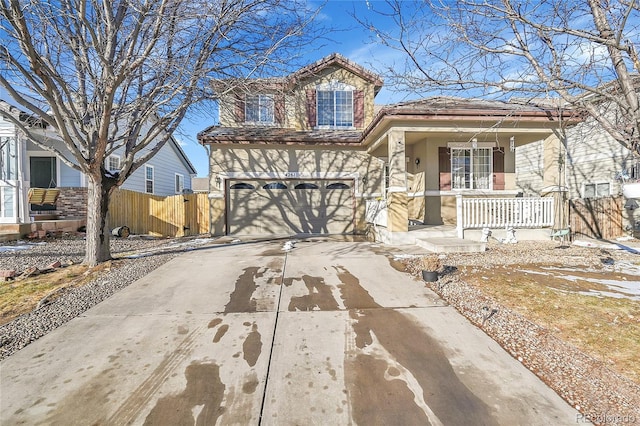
<point x="260" y="207"/>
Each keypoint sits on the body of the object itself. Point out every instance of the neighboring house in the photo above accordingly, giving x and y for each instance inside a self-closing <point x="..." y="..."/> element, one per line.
<point x="588" y="165"/>
<point x="26" y="165"/>
<point x="591" y="165"/>
<point x="309" y="153"/>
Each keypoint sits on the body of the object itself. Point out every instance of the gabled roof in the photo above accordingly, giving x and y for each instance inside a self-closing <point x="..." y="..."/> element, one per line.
<point x="309" y="71"/>
<point x="183" y="156"/>
<point x="336" y="59"/>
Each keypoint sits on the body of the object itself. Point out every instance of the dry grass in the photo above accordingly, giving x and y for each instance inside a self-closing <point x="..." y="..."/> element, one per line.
<point x="22" y="296"/>
<point x="606" y="328"/>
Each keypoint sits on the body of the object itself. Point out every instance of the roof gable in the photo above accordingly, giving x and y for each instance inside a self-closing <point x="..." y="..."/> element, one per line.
<point x="337" y="60"/>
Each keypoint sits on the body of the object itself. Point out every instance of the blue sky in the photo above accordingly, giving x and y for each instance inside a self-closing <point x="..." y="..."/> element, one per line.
<point x="349" y="39"/>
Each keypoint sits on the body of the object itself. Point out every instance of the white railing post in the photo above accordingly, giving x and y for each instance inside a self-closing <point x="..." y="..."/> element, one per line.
<point x="459" y="216"/>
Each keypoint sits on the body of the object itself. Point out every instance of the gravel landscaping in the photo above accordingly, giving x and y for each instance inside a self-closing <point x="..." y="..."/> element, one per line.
<point x="76" y="300"/>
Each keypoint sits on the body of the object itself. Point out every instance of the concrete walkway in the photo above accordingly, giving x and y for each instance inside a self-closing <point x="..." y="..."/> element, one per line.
<point x="330" y="333"/>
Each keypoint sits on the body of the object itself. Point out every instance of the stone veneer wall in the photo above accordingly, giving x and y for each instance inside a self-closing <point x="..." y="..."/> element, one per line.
<point x="72" y="203"/>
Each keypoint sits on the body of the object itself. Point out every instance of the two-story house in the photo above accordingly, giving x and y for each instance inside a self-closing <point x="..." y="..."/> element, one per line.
<point x="310" y="154"/>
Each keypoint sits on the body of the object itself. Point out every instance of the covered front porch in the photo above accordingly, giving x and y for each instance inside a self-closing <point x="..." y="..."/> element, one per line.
<point x="525" y="218"/>
<point x="450" y="164"/>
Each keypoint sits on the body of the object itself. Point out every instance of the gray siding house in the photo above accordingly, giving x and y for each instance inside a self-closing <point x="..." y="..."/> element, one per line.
<point x="25" y="165"/>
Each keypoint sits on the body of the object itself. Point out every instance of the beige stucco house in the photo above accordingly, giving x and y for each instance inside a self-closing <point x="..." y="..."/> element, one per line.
<point x="310" y="154"/>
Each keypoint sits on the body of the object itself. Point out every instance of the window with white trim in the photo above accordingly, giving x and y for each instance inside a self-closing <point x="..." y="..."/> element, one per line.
<point x="148" y="179"/>
<point x="113" y="163"/>
<point x="471" y="168"/>
<point x="334" y="105"/>
<point x="259" y="109"/>
<point x="596" y="190"/>
<point x="179" y="183"/>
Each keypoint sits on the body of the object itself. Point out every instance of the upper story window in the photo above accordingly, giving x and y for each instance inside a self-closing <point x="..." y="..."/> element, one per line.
<point x="335" y="108"/>
<point x="259" y="109"/>
<point x="334" y="105"/>
<point x="113" y="163"/>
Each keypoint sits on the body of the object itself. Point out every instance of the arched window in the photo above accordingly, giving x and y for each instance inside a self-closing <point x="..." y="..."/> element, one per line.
<point x="275" y="185"/>
<point x="338" y="185"/>
<point x="306" y="185"/>
<point x="242" y="185"/>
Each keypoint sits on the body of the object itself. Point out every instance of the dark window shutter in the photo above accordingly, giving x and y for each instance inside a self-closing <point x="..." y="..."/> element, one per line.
<point x="239" y="113"/>
<point x="311" y="107"/>
<point x="358" y="109"/>
<point x="444" y="166"/>
<point x="279" y="107"/>
<point x="498" y="169"/>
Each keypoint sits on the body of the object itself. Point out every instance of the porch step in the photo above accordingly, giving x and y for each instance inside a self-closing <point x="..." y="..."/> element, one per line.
<point x="451" y="245"/>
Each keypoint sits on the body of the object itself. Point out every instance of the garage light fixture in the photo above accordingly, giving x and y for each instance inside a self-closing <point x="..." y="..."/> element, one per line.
<point x="417" y="161"/>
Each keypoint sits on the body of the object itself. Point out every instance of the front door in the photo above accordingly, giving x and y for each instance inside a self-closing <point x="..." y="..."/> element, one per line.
<point x="43" y="175"/>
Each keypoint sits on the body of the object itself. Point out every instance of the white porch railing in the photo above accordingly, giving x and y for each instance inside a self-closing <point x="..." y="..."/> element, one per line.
<point x="376" y="212"/>
<point x="505" y="212"/>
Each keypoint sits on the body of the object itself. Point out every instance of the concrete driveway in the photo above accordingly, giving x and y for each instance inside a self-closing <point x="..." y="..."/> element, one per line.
<point x="329" y="333"/>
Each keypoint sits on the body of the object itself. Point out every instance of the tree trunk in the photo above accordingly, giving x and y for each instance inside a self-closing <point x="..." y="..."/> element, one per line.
<point x="97" y="247"/>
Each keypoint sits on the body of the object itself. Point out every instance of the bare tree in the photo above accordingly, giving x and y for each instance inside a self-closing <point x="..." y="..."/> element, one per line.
<point x="585" y="52"/>
<point x="120" y="75"/>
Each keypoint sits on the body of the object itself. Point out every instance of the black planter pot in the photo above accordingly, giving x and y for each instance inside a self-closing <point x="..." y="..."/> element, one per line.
<point x="430" y="276"/>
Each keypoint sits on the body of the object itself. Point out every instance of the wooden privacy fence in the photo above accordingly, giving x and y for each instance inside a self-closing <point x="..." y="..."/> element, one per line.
<point x="596" y="218"/>
<point x="170" y="216"/>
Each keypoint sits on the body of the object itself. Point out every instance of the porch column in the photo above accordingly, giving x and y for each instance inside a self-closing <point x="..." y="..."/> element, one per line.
<point x="23" y="184"/>
<point x="397" y="201"/>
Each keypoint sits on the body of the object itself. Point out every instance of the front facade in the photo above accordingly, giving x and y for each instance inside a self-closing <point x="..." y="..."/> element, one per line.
<point x="25" y="165"/>
<point x="311" y="154"/>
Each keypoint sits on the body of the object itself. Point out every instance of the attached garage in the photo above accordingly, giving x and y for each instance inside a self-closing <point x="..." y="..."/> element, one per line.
<point x="290" y="206"/>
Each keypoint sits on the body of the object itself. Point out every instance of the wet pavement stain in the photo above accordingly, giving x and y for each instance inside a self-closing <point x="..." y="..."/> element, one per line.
<point x="214" y="322"/>
<point x="252" y="346"/>
<point x="241" y="299"/>
<point x="251" y="384"/>
<point x="220" y="333"/>
<point x="410" y="346"/>
<point x="204" y="392"/>
<point x="319" y="297"/>
<point x="378" y="401"/>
